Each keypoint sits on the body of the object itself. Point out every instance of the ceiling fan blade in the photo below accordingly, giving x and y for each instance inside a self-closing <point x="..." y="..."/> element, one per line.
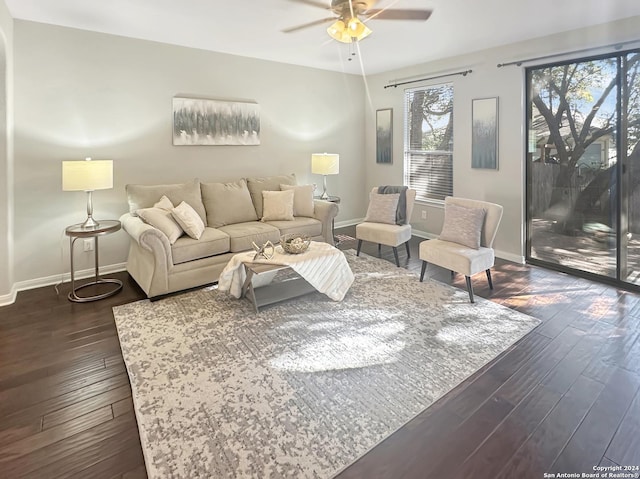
<point x="313" y="3"/>
<point x="397" y="14"/>
<point x="307" y="25"/>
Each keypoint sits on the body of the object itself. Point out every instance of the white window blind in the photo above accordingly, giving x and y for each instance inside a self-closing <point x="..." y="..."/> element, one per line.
<point x="428" y="141"/>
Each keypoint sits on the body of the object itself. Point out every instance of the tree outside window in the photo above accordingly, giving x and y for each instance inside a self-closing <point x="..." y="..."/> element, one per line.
<point x="428" y="145"/>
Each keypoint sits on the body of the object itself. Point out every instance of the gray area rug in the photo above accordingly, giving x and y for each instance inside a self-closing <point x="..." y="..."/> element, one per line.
<point x="305" y="387"/>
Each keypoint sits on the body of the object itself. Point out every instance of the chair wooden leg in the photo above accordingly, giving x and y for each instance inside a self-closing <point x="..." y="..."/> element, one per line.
<point x="422" y="271"/>
<point x="489" y="279"/>
<point x="395" y="253"/>
<point x="379" y="250"/>
<point x="408" y="252"/>
<point x="359" y="246"/>
<point x="469" y="288"/>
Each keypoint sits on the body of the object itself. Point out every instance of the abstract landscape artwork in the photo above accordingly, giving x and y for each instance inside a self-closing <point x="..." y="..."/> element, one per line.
<point x="484" y="137"/>
<point x="213" y="122"/>
<point x="384" y="136"/>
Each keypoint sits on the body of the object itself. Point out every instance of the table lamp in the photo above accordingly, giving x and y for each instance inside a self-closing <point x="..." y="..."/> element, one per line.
<point x="325" y="164"/>
<point x="87" y="175"/>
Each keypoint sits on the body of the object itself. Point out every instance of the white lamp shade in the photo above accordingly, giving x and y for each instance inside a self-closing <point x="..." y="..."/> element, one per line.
<point x="325" y="163"/>
<point x="87" y="175"/>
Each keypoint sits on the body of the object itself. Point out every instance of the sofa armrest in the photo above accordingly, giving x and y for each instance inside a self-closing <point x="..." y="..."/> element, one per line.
<point x="149" y="238"/>
<point x="325" y="212"/>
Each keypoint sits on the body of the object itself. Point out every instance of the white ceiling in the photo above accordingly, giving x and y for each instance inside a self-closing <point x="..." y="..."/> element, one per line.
<point x="253" y="27"/>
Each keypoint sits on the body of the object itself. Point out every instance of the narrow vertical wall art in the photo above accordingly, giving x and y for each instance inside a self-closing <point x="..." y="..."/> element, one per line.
<point x="484" y="136"/>
<point x="384" y="136"/>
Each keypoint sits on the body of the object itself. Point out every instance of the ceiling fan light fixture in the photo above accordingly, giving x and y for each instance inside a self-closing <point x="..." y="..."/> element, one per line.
<point x="357" y="29"/>
<point x="353" y="31"/>
<point x="337" y="30"/>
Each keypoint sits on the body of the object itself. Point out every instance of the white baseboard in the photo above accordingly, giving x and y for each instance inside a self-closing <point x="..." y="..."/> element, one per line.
<point x="423" y="234"/>
<point x="7" y="299"/>
<point x="514" y="258"/>
<point x="342" y="224"/>
<point x="57" y="279"/>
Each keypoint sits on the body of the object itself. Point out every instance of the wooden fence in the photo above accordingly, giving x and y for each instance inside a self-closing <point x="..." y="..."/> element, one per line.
<point x="544" y="177"/>
<point x="542" y="181"/>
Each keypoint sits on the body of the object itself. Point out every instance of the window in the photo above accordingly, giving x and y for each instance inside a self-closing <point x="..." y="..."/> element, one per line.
<point x="428" y="141"/>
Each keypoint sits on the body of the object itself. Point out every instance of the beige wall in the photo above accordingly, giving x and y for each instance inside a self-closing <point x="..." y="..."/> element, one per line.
<point x="7" y="291"/>
<point x="506" y="185"/>
<point x="84" y="94"/>
<point x="81" y="94"/>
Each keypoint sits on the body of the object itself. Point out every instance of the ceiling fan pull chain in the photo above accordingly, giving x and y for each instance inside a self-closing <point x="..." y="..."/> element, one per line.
<point x="352" y="51"/>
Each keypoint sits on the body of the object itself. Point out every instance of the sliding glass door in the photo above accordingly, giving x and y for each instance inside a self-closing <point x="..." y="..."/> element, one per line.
<point x="583" y="172"/>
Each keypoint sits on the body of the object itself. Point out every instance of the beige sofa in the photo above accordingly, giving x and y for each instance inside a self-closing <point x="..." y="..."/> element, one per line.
<point x="232" y="214"/>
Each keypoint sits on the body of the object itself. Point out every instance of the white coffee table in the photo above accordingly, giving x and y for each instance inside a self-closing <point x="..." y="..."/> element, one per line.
<point x="265" y="292"/>
<point x="322" y="268"/>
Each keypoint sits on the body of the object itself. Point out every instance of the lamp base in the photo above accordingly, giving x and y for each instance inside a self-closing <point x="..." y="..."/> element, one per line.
<point x="90" y="223"/>
<point x="324" y="195"/>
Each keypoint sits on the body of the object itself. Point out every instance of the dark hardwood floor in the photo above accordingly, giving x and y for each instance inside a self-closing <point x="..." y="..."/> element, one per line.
<point x="563" y="399"/>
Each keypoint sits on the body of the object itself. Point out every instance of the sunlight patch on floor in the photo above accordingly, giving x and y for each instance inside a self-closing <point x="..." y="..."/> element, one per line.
<point x="347" y="349"/>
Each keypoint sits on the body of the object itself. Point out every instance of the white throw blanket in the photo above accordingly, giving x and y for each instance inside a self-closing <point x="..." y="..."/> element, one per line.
<point x="322" y="266"/>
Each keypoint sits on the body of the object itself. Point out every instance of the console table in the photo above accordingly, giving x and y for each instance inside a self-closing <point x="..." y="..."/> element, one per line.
<point x="75" y="232"/>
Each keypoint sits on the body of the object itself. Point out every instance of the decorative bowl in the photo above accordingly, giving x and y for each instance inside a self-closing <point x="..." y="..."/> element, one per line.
<point x="295" y="243"/>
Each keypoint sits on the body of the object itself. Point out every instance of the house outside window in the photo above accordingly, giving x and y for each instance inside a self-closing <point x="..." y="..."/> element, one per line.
<point x="428" y="141"/>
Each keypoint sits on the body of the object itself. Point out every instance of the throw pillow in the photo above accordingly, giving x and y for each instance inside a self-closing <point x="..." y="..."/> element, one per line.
<point x="462" y="225"/>
<point x="189" y="219"/>
<point x="277" y="205"/>
<point x="269" y="183"/>
<point x="382" y="208"/>
<point x="164" y="204"/>
<point x="227" y="203"/>
<point x="302" y="199"/>
<point x="159" y="216"/>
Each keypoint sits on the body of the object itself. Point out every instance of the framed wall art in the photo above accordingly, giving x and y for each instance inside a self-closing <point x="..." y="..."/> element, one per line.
<point x="484" y="136"/>
<point x="384" y="136"/>
<point x="213" y="122"/>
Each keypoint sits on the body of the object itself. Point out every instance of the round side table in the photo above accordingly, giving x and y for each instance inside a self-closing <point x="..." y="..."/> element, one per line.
<point x="75" y="232"/>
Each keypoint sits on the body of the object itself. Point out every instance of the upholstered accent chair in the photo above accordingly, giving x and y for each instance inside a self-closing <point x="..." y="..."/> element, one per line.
<point x="380" y="226"/>
<point x="465" y="244"/>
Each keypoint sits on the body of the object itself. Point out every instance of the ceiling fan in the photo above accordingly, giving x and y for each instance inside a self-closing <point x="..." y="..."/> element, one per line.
<point x="347" y="26"/>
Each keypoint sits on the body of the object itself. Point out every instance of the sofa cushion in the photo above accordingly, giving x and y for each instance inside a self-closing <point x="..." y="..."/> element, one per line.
<point x="242" y="234"/>
<point x="270" y="183"/>
<point x="211" y="242"/>
<point x="144" y="196"/>
<point x="302" y="199"/>
<point x="227" y="203"/>
<point x="307" y="226"/>
<point x="277" y="205"/>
